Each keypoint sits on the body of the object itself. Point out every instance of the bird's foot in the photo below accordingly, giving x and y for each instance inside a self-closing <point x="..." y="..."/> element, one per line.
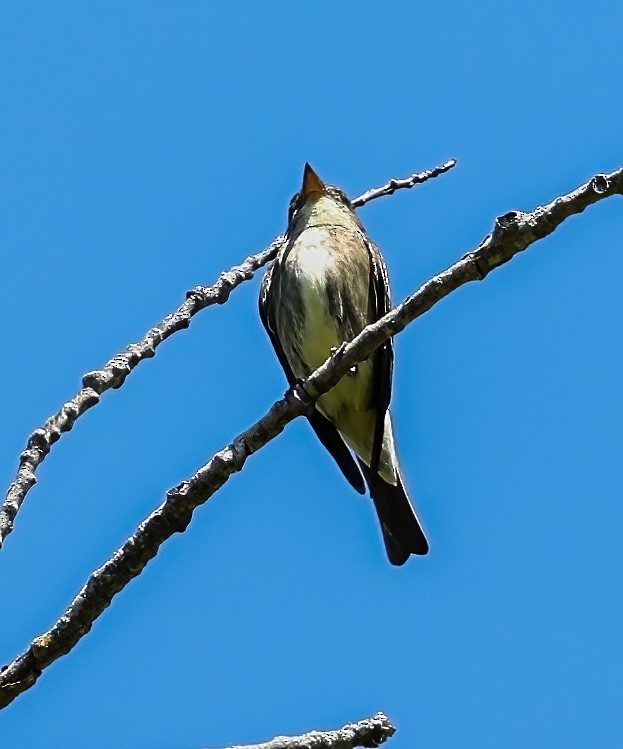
<point x="337" y="351"/>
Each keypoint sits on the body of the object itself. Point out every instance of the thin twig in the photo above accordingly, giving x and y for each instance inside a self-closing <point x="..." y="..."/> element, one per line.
<point x="511" y="234"/>
<point x="399" y="184"/>
<point x="115" y="372"/>
<point x="370" y="732"/>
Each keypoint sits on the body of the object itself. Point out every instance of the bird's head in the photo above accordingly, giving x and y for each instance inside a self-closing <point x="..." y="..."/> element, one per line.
<point x="318" y="204"/>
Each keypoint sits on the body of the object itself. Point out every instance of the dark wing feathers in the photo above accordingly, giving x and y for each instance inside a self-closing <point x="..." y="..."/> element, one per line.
<point x="380" y="304"/>
<point x="265" y="317"/>
<point x="402" y="532"/>
<point x="324" y="429"/>
<point x="331" y="439"/>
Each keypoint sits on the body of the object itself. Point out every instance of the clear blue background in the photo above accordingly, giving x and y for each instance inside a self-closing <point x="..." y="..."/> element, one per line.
<point x="145" y="147"/>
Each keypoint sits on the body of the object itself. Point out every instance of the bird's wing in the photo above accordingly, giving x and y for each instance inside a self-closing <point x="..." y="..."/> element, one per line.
<point x="268" y="322"/>
<point x="380" y="304"/>
<point x="325" y="431"/>
<point x="330" y="438"/>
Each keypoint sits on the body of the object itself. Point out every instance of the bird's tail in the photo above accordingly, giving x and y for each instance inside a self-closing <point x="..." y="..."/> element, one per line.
<point x="402" y="532"/>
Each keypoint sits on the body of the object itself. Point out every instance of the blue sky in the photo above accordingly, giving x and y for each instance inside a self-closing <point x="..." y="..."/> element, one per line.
<point x="147" y="146"/>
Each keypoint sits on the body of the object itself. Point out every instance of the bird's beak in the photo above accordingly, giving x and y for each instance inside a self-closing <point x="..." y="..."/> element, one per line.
<point x="312" y="182"/>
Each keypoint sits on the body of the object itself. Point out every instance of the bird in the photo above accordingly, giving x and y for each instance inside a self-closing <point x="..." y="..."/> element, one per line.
<point x="329" y="281"/>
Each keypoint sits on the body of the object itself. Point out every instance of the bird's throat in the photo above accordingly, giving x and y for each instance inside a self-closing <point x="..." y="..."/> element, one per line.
<point x="322" y="210"/>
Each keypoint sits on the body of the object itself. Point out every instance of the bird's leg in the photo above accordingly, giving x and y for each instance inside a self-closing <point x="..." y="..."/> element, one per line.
<point x="336" y="353"/>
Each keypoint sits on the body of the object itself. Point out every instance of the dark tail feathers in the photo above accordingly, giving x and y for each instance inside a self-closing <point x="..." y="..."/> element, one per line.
<point x="402" y="532"/>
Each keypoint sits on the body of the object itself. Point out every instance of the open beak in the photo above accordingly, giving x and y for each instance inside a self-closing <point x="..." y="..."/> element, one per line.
<point x="312" y="182"/>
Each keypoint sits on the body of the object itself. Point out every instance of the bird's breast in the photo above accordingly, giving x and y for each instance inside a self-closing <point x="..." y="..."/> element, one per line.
<point x="324" y="281"/>
<point x="324" y="292"/>
<point x="313" y="270"/>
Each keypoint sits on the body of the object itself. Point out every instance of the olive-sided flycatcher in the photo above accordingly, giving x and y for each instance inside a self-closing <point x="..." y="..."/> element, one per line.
<point x="328" y="282"/>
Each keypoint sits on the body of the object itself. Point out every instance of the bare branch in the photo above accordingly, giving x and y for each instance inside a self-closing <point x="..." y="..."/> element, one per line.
<point x="398" y="184"/>
<point x="512" y="233"/>
<point x="115" y="372"/>
<point x="370" y="732"/>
